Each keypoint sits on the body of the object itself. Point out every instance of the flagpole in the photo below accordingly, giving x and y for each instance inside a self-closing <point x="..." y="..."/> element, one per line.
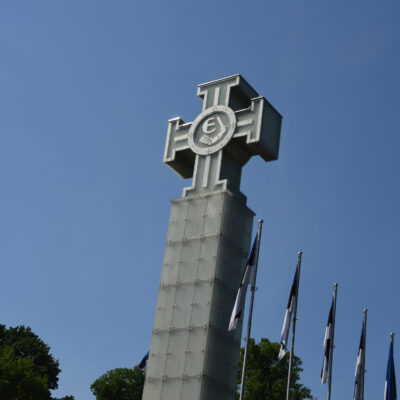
<point x="392" y="339"/>
<point x="335" y="286"/>
<point x="253" y="289"/>
<point x="363" y="355"/>
<point x="299" y="254"/>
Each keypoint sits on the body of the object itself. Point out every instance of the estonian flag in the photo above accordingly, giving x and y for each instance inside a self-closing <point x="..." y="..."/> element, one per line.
<point x="327" y="346"/>
<point x="290" y="309"/>
<point x="241" y="294"/>
<point x="390" y="384"/>
<point x="143" y="363"/>
<point x="359" y="373"/>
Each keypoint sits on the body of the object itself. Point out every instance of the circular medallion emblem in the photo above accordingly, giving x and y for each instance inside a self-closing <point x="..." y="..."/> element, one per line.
<point x="212" y="130"/>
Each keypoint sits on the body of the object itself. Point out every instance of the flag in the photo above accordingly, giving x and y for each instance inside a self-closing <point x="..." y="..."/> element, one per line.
<point x="143" y="363"/>
<point x="359" y="373"/>
<point x="241" y="294"/>
<point x="290" y="309"/>
<point x="327" y="346"/>
<point x="390" y="384"/>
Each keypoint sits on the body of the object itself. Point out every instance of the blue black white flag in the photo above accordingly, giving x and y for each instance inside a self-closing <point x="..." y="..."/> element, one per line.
<point x="290" y="310"/>
<point x="246" y="278"/>
<point x="360" y="367"/>
<point x="143" y="363"/>
<point x="327" y="345"/>
<point x="390" y="384"/>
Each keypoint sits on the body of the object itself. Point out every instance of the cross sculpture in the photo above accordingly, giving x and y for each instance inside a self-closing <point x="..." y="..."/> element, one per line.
<point x="234" y="125"/>
<point x="192" y="355"/>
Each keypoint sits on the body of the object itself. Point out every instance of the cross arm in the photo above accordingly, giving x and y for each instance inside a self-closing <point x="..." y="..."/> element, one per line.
<point x="259" y="128"/>
<point x="177" y="155"/>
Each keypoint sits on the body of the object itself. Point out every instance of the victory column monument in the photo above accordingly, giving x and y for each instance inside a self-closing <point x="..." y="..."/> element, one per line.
<point x="192" y="354"/>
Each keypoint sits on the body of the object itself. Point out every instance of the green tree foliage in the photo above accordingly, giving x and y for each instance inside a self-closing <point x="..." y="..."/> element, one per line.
<point x="119" y="384"/>
<point x="18" y="379"/>
<point x="266" y="376"/>
<point x="27" y="344"/>
<point x="26" y="359"/>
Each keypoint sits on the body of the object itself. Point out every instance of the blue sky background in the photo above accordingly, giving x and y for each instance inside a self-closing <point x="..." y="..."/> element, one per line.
<point x="86" y="89"/>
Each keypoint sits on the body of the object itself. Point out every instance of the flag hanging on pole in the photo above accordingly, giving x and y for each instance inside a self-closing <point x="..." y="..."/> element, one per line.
<point x="390" y="383"/>
<point x="327" y="345"/>
<point x="143" y="363"/>
<point x="290" y="309"/>
<point x="241" y="294"/>
<point x="360" y="367"/>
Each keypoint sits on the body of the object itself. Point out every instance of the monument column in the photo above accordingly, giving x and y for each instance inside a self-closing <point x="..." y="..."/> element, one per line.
<point x="192" y="354"/>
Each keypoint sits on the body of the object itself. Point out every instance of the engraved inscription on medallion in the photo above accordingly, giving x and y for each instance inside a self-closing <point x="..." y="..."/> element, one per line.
<point x="212" y="130"/>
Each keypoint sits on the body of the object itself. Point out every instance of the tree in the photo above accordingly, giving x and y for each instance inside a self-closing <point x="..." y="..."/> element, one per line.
<point x="266" y="376"/>
<point x="18" y="379"/>
<point x="119" y="384"/>
<point x="26" y="359"/>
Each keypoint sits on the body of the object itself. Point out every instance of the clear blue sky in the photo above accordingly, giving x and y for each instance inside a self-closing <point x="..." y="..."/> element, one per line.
<point x="86" y="89"/>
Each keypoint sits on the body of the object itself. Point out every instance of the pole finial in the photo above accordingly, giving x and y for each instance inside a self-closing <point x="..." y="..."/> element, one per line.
<point x="335" y="285"/>
<point x="299" y="255"/>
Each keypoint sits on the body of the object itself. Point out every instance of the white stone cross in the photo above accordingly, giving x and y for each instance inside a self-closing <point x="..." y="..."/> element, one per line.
<point x="234" y="125"/>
